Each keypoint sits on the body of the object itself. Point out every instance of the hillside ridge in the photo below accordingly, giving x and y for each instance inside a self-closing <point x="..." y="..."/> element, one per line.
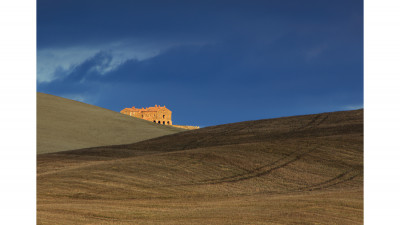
<point x="64" y="124"/>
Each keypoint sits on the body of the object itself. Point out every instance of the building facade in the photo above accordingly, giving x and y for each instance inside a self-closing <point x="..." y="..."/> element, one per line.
<point x="156" y="114"/>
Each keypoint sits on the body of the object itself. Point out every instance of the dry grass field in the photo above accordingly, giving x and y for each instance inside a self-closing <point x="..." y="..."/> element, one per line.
<point x="292" y="170"/>
<point x="64" y="124"/>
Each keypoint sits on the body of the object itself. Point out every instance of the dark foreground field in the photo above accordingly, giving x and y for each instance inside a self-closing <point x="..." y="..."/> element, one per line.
<point x="294" y="170"/>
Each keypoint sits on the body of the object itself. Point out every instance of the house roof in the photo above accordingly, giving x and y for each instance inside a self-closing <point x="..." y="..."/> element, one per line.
<point x="148" y="109"/>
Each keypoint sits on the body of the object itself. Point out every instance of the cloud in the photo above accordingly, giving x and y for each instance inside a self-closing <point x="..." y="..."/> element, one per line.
<point x="56" y="63"/>
<point x="104" y="70"/>
<point x="353" y="107"/>
<point x="53" y="63"/>
<point x="94" y="66"/>
<point x="81" y="98"/>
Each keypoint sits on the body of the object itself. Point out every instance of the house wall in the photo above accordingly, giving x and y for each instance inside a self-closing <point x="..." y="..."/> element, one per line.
<point x="160" y="115"/>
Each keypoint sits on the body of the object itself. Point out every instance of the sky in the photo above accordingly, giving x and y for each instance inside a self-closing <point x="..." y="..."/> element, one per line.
<point x="209" y="62"/>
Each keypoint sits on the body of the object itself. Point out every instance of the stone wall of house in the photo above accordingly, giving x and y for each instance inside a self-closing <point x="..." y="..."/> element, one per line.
<point x="156" y="114"/>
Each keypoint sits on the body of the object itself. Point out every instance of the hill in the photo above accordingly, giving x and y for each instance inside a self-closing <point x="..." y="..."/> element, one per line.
<point x="64" y="124"/>
<point x="293" y="170"/>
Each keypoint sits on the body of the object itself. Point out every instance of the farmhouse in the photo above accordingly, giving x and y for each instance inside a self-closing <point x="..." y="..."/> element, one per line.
<point x="156" y="114"/>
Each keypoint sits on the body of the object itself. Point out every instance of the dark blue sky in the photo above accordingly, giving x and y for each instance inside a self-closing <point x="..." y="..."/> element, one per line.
<point x="210" y="62"/>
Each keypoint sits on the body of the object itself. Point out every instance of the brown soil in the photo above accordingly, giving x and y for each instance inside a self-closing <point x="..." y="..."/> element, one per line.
<point x="293" y="170"/>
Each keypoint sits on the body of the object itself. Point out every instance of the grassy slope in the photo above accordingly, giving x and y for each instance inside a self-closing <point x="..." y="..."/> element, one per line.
<point x="294" y="170"/>
<point x="64" y="124"/>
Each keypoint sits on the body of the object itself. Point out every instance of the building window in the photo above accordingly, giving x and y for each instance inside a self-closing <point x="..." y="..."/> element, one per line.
<point x="154" y="121"/>
<point x="159" y="121"/>
<point x="168" y="122"/>
<point x="163" y="116"/>
<point x="163" y="122"/>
